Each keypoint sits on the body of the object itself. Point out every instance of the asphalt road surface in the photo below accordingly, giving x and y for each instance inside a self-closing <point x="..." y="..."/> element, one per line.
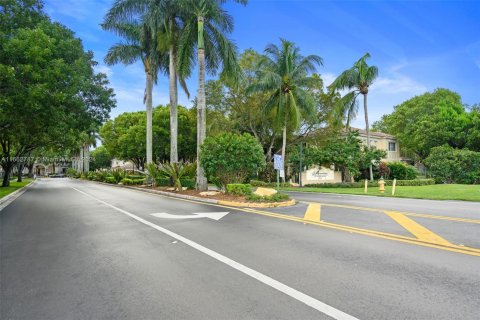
<point x="81" y="250"/>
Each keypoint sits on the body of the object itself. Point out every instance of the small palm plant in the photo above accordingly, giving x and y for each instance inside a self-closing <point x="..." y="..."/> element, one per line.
<point x="175" y="171"/>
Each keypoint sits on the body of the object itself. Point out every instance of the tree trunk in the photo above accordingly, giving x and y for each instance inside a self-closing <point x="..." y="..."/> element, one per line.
<point x="173" y="108"/>
<point x="21" y="165"/>
<point x="202" y="184"/>
<point x="30" y="170"/>
<point x="148" y="101"/>
<point x="7" y="169"/>
<point x="367" y="128"/>
<point x="284" y="146"/>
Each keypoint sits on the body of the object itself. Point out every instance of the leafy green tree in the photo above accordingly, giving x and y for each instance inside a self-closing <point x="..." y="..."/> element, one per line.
<point x="232" y="158"/>
<point x="50" y="93"/>
<point x="207" y="25"/>
<point x="357" y="79"/>
<point x="284" y="75"/>
<point x="101" y="158"/>
<point x="431" y="120"/>
<point x="450" y="165"/>
<point x="123" y="139"/>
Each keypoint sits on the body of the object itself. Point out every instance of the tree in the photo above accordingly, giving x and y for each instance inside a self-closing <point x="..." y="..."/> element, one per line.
<point x="141" y="45"/>
<point x="101" y="159"/>
<point x="207" y="26"/>
<point x="122" y="136"/>
<point x="165" y="20"/>
<point x="50" y="93"/>
<point x="357" y="79"/>
<point x="430" y="120"/>
<point x="284" y="74"/>
<point x="232" y="158"/>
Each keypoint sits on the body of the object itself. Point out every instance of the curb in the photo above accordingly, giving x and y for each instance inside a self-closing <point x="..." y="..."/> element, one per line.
<point x="5" y="201"/>
<point x="214" y="201"/>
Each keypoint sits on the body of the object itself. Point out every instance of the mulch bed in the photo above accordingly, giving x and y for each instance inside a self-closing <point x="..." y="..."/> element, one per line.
<point x="195" y="193"/>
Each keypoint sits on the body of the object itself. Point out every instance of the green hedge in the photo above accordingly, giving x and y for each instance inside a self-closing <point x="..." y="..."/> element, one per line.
<point x="278" y="197"/>
<point x="163" y="182"/>
<point x="239" y="189"/>
<point x="128" y="181"/>
<point x="188" y="183"/>
<point x="361" y="184"/>
<point x="110" y="179"/>
<point x="258" y="183"/>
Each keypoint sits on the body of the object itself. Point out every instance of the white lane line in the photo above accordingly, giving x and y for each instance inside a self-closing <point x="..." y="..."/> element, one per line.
<point x="300" y="296"/>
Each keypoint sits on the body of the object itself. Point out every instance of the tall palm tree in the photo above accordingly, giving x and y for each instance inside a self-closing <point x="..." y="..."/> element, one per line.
<point x="140" y="45"/>
<point x="285" y="73"/>
<point x="357" y="79"/>
<point x="164" y="18"/>
<point x="207" y="26"/>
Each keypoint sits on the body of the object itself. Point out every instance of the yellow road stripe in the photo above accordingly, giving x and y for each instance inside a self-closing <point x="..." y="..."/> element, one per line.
<point x="411" y="214"/>
<point x="416" y="229"/>
<point x="313" y="212"/>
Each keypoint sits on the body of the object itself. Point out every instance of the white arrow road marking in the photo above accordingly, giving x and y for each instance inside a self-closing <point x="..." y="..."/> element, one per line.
<point x="211" y="215"/>
<point x="295" y="294"/>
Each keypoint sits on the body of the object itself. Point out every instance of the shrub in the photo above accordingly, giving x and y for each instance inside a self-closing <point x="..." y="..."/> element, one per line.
<point x="119" y="174"/>
<point x="239" y="189"/>
<point x="361" y="184"/>
<point x="383" y="170"/>
<point x="72" y="173"/>
<point x="278" y="197"/>
<point x="128" y="181"/>
<point x="177" y="172"/>
<point x="188" y="183"/>
<point x="110" y="179"/>
<point x="449" y="165"/>
<point x="258" y="183"/>
<point x="402" y="171"/>
<point x="231" y="158"/>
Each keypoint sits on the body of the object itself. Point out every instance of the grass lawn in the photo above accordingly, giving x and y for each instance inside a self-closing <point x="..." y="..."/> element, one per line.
<point x="14" y="185"/>
<point x="434" y="192"/>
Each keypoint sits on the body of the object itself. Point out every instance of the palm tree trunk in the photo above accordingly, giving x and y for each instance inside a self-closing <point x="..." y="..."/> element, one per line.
<point x="367" y="128"/>
<point x="148" y="101"/>
<point x="173" y="108"/>
<point x="284" y="146"/>
<point x="201" y="113"/>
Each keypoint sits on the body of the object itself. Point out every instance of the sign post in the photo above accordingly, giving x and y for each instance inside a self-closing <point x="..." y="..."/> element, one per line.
<point x="278" y="166"/>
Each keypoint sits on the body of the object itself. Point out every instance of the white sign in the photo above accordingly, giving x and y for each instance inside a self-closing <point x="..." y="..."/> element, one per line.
<point x="321" y="174"/>
<point x="211" y="215"/>
<point x="282" y="173"/>
<point x="277" y="162"/>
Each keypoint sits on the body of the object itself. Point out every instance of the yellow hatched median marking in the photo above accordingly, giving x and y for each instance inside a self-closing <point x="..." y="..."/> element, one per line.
<point x="313" y="212"/>
<point x="416" y="229"/>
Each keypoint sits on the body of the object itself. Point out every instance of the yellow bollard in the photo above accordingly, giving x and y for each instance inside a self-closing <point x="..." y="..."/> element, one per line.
<point x="393" y="186"/>
<point x="366" y="186"/>
<point x="381" y="185"/>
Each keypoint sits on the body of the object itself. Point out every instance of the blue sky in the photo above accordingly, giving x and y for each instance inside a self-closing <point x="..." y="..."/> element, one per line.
<point x="417" y="45"/>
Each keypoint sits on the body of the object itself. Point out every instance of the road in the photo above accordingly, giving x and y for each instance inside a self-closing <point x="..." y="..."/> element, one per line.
<point x="81" y="250"/>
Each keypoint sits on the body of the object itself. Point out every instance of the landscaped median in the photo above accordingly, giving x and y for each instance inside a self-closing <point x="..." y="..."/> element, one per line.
<point x="14" y="186"/>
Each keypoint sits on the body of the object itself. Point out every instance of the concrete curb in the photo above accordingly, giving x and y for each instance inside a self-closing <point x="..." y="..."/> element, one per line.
<point x="5" y="201"/>
<point x="214" y="201"/>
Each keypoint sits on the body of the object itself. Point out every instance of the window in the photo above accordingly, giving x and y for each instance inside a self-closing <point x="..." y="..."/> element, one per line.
<point x="392" y="146"/>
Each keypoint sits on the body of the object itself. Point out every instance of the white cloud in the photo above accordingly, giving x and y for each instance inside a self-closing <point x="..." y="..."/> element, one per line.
<point x="328" y="78"/>
<point x="397" y="83"/>
<point x="104" y="69"/>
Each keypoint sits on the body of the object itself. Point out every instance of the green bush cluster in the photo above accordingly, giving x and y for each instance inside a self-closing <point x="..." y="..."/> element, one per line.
<point x="258" y="183"/>
<point x="361" y="184"/>
<point x="239" y="189"/>
<point x="278" y="197"/>
<point x="449" y="165"/>
<point x="130" y="181"/>
<point x="72" y="173"/>
<point x="231" y="158"/>
<point x="401" y="171"/>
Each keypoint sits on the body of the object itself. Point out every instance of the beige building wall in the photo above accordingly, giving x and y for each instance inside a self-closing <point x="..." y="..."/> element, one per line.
<point x="382" y="141"/>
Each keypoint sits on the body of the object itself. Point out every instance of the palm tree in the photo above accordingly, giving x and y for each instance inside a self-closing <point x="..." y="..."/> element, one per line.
<point x="141" y="45"/>
<point x="207" y="26"/>
<point x="163" y="17"/>
<point x="357" y="79"/>
<point x="285" y="73"/>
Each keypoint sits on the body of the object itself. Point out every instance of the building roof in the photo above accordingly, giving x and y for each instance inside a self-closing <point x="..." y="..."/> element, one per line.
<point x="373" y="133"/>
